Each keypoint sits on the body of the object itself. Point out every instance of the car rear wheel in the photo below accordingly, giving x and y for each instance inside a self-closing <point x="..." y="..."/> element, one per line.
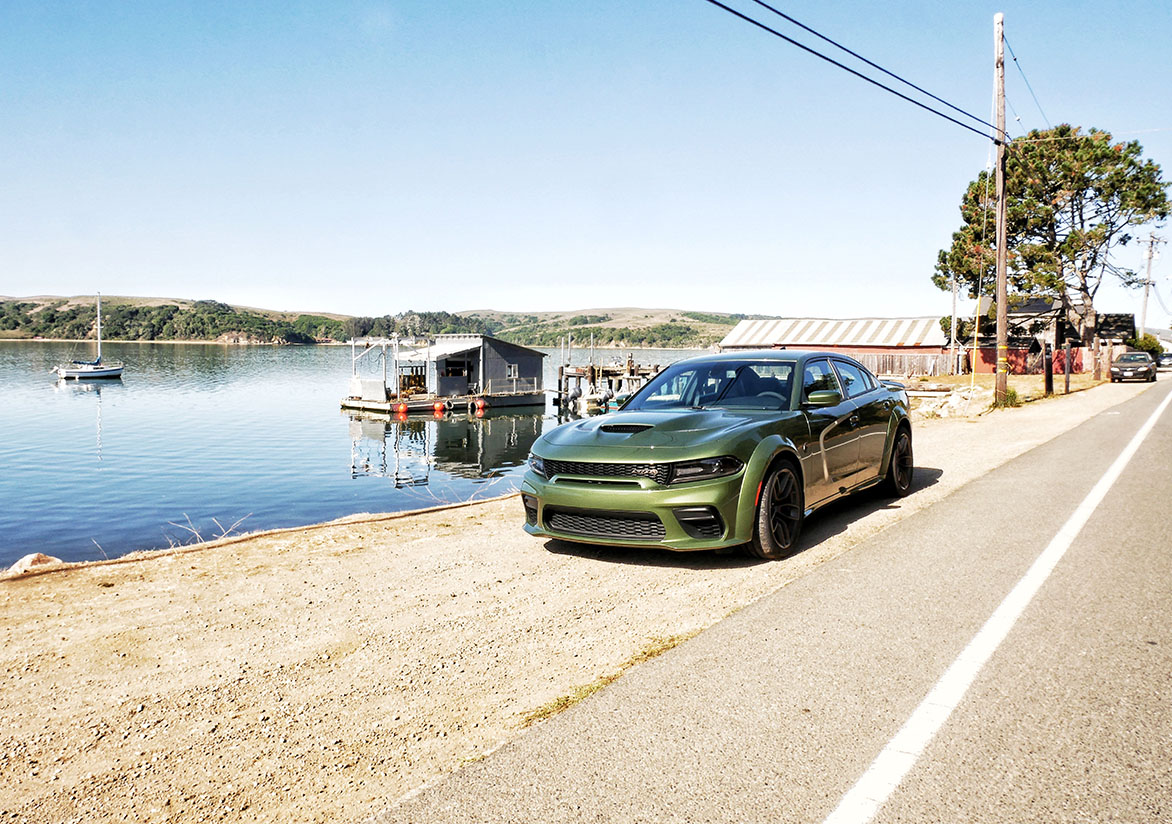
<point x="779" y="514"/>
<point x="899" y="472"/>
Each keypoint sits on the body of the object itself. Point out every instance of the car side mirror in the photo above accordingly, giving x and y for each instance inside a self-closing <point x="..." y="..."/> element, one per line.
<point x="823" y="397"/>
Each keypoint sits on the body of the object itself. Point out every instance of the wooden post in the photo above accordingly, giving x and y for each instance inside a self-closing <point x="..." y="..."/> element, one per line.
<point x="1048" y="368"/>
<point x="1066" y="368"/>
<point x="952" y="370"/>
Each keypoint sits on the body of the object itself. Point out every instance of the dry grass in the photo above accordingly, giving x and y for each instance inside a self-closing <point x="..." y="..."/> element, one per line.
<point x="656" y="647"/>
<point x="1028" y="387"/>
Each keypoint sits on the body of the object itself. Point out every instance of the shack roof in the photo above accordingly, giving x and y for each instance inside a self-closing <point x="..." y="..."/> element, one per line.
<point x="813" y="333"/>
<point x="446" y="346"/>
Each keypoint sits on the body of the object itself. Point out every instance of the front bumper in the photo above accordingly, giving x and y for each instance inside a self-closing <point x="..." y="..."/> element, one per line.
<point x="691" y="516"/>
<point x="1143" y="374"/>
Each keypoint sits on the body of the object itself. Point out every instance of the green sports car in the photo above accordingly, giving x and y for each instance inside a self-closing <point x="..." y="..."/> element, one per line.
<point x="722" y="450"/>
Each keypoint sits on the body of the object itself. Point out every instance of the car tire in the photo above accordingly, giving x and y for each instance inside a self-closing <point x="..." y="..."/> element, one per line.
<point x="780" y="513"/>
<point x="901" y="468"/>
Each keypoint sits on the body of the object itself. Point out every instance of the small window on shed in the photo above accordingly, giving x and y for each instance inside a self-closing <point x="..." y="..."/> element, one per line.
<point x="512" y="371"/>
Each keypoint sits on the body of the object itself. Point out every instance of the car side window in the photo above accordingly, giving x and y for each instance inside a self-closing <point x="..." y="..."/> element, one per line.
<point x="853" y="379"/>
<point x="870" y="380"/>
<point x="818" y="376"/>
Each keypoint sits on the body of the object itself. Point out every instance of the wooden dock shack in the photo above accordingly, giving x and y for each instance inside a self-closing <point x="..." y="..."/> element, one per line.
<point x="451" y="372"/>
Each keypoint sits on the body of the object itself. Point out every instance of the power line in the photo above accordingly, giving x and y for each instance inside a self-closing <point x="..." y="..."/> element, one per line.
<point x="1045" y="119"/>
<point x="873" y="65"/>
<point x="857" y="74"/>
<point x="1016" y="116"/>
<point x="1160" y="300"/>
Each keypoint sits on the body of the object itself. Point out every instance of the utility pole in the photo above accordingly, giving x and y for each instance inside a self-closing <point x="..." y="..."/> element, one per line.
<point x="952" y="332"/>
<point x="1151" y="253"/>
<point x="1001" y="388"/>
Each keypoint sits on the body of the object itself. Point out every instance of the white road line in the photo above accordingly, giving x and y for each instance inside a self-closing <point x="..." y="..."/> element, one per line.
<point x="888" y="769"/>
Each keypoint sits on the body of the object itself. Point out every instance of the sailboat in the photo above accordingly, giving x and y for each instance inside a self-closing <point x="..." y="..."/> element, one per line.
<point x="95" y="368"/>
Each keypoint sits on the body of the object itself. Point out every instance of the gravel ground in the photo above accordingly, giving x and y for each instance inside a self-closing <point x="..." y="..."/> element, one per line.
<point x="319" y="674"/>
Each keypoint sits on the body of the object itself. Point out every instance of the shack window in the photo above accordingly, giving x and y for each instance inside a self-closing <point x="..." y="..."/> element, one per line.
<point x="512" y="372"/>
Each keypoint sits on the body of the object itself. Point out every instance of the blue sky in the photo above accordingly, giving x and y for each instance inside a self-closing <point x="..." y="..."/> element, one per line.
<point x="373" y="157"/>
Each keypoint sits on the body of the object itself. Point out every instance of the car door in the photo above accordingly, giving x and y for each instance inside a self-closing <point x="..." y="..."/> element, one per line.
<point x="831" y="455"/>
<point x="871" y="416"/>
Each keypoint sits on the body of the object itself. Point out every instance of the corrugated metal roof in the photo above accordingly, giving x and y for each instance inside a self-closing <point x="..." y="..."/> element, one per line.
<point x="819" y="332"/>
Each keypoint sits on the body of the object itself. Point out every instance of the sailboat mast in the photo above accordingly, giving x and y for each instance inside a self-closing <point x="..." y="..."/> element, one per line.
<point x="99" y="327"/>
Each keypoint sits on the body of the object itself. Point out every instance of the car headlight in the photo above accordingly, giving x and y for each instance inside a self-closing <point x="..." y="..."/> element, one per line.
<point x="537" y="465"/>
<point x="704" y="469"/>
<point x="1114" y="368"/>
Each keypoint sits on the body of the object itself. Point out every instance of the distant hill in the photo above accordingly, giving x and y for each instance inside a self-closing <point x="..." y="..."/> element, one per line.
<point x="619" y="327"/>
<point x="146" y="319"/>
<point x="163" y="319"/>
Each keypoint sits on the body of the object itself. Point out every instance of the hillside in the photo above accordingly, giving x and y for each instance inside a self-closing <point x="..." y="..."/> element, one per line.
<point x="171" y="319"/>
<point x="620" y="327"/>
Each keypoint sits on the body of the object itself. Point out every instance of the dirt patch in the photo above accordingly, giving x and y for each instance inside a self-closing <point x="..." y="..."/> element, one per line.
<point x="319" y="674"/>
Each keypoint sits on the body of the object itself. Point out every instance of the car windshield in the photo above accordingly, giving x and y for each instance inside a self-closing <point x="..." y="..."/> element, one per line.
<point x="1134" y="357"/>
<point x="746" y="384"/>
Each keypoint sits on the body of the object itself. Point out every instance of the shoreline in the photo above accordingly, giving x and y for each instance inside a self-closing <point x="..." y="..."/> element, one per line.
<point x="332" y="343"/>
<point x="136" y="555"/>
<point x="193" y="342"/>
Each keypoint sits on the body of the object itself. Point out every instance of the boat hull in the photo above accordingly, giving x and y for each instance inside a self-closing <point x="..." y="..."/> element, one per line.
<point x="86" y="372"/>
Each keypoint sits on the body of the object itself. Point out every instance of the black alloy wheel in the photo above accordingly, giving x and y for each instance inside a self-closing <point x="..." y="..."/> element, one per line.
<point x="779" y="514"/>
<point x="902" y="466"/>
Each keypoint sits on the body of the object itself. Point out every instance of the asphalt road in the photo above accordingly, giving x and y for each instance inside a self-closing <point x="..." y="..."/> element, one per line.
<point x="775" y="713"/>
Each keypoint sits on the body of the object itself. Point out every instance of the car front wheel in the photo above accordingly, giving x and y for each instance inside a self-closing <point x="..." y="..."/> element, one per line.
<point x="779" y="514"/>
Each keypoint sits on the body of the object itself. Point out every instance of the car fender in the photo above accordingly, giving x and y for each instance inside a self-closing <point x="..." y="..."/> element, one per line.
<point x="763" y="456"/>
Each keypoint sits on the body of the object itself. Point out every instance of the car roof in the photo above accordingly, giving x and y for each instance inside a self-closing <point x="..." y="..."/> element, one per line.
<point x="767" y="354"/>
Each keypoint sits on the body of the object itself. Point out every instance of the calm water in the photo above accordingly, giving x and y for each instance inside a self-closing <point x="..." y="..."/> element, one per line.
<point x="199" y="437"/>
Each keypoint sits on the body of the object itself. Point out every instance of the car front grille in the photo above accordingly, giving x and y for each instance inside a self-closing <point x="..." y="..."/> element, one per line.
<point x="660" y="473"/>
<point x="625" y="526"/>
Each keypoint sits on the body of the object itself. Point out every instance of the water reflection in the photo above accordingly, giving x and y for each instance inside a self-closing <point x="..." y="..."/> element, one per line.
<point x="405" y="449"/>
<point x="83" y="389"/>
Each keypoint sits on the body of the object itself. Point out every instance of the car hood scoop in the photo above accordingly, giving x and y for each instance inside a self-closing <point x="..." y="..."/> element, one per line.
<point x="668" y="428"/>
<point x="625" y="428"/>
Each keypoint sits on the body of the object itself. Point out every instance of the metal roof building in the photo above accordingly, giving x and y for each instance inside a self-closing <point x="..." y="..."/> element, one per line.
<point x="851" y="335"/>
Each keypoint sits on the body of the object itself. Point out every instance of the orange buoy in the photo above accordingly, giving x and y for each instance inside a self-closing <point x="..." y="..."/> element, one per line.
<point x="438" y="406"/>
<point x="480" y="403"/>
<point x="402" y="408"/>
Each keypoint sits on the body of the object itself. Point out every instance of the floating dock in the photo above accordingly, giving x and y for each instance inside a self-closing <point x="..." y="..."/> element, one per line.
<point x="430" y="403"/>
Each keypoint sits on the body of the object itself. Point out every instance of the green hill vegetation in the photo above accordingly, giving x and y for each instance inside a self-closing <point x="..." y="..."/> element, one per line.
<point x="206" y="320"/>
<point x="162" y="319"/>
<point x="622" y="328"/>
